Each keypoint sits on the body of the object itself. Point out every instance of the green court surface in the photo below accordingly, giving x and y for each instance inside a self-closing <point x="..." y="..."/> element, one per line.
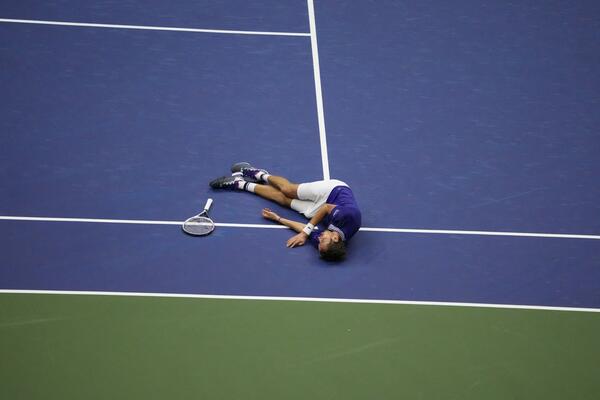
<point x="108" y="347"/>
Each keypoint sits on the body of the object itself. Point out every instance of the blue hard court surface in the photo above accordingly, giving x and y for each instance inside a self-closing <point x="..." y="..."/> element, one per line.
<point x="466" y="116"/>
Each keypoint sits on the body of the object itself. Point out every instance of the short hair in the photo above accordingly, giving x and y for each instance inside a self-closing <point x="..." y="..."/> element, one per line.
<point x="336" y="251"/>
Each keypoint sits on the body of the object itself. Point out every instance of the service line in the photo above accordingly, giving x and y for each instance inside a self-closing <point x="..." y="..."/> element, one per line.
<point x="273" y="226"/>
<point x="150" y="28"/>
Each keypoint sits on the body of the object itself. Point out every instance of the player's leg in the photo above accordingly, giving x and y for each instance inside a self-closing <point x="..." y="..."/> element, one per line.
<point x="283" y="185"/>
<point x="306" y="198"/>
<point x="271" y="193"/>
<point x="238" y="183"/>
<point x="255" y="174"/>
<point x="314" y="192"/>
<point x="306" y="207"/>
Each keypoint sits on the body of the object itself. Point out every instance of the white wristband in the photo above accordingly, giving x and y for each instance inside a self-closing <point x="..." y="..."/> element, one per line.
<point x="308" y="229"/>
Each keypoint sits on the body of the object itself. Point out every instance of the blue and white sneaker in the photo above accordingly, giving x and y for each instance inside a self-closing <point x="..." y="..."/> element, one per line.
<point x="227" y="183"/>
<point x="249" y="172"/>
<point x="241" y="175"/>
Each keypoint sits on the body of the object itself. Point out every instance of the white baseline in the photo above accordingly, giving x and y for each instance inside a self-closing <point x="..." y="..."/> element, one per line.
<point x="265" y="226"/>
<point x="301" y="299"/>
<point x="150" y="28"/>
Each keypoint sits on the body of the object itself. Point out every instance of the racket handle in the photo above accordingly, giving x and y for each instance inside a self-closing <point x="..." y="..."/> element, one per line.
<point x="208" y="204"/>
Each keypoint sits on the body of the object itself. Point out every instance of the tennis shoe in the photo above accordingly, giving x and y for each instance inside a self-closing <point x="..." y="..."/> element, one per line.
<point x="226" y="183"/>
<point x="248" y="171"/>
<point x="247" y="179"/>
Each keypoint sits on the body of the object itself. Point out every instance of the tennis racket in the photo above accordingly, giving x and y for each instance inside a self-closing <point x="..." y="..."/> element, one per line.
<point x="200" y="224"/>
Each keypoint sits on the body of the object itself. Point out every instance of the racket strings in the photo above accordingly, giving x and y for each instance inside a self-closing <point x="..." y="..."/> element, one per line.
<point x="199" y="226"/>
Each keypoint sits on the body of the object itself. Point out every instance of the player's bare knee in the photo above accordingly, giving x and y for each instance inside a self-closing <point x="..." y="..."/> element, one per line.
<point x="290" y="190"/>
<point x="283" y="200"/>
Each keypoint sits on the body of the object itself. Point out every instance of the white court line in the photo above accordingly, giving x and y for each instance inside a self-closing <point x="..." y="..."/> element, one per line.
<point x="484" y="233"/>
<point x="131" y="221"/>
<point x="272" y="226"/>
<point x="150" y="28"/>
<point x="302" y="299"/>
<point x="318" y="92"/>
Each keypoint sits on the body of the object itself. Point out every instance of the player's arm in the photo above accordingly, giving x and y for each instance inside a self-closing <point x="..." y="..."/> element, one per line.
<point x="321" y="213"/>
<point x="303" y="234"/>
<point x="296" y="226"/>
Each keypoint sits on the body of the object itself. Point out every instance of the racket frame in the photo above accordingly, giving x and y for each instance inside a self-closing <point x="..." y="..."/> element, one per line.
<point x="204" y="214"/>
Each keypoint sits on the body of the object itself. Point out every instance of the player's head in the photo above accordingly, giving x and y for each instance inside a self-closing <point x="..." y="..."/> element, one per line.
<point x="331" y="246"/>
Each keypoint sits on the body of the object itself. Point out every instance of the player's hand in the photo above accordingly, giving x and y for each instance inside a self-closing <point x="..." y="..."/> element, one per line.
<point x="268" y="214"/>
<point x="297" y="240"/>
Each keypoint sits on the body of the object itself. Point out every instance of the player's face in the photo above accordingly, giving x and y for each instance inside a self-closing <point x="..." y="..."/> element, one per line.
<point x="325" y="240"/>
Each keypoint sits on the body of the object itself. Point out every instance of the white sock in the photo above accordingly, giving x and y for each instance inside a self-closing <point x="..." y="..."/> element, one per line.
<point x="249" y="186"/>
<point x="263" y="176"/>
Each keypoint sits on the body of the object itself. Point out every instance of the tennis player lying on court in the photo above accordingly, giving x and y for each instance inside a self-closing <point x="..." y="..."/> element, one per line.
<point x="329" y="203"/>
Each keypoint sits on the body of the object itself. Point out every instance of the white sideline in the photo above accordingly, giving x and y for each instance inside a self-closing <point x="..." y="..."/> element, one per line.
<point x="301" y="299"/>
<point x="273" y="226"/>
<point x="318" y="92"/>
<point x="150" y="28"/>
